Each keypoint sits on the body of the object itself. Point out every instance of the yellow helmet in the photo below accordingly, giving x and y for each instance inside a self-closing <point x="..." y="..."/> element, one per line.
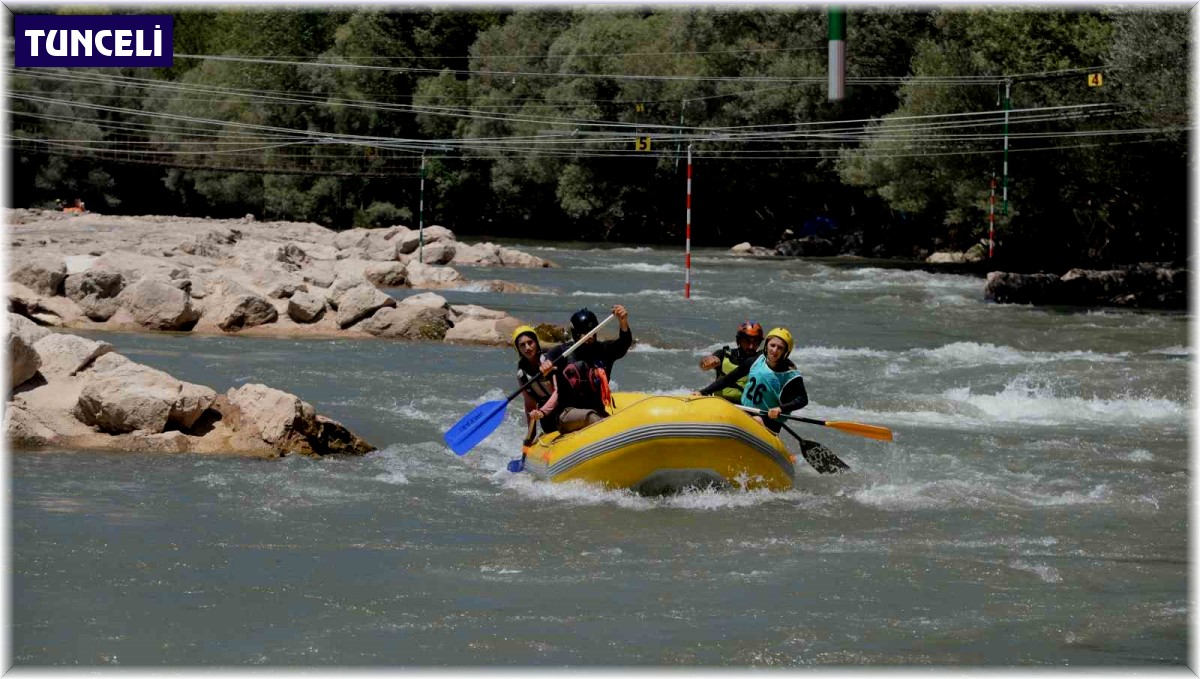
<point x="783" y="334"/>
<point x="523" y="330"/>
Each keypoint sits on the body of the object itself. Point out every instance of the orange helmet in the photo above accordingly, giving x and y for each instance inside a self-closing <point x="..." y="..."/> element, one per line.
<point x="750" y="330"/>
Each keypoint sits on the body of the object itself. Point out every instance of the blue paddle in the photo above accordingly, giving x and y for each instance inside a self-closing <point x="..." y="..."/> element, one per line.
<point x="478" y="424"/>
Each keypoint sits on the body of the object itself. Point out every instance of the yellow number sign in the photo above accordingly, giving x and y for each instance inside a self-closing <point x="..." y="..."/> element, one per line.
<point x="642" y="143"/>
<point x="1095" y="79"/>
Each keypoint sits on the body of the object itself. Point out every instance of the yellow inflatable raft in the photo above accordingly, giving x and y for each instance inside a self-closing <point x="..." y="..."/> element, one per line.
<point x="660" y="444"/>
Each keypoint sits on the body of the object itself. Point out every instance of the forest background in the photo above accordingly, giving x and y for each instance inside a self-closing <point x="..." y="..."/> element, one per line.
<point x="575" y="124"/>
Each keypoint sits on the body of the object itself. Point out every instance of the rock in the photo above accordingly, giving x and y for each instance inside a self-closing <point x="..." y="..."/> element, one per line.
<point x="341" y="285"/>
<point x="360" y="302"/>
<point x="386" y="274"/>
<point x="512" y="257"/>
<point x="97" y="282"/>
<point x="976" y="253"/>
<point x="190" y="404"/>
<point x="32" y="332"/>
<point x="425" y="299"/>
<point x="288" y="424"/>
<point x="746" y="249"/>
<point x="159" y="305"/>
<point x="165" y="442"/>
<point x="809" y="246"/>
<point x="459" y="312"/>
<point x="120" y="396"/>
<point x="552" y="333"/>
<point x="41" y="272"/>
<point x="99" y="308"/>
<point x="64" y="355"/>
<point x="23" y="359"/>
<point x="741" y="248"/>
<point x="352" y="238"/>
<point x="408" y="321"/>
<point x="285" y="289"/>
<point x="480" y="254"/>
<point x="426" y="276"/>
<point x="23" y="429"/>
<point x="321" y="278"/>
<point x="1015" y="288"/>
<point x="245" y="311"/>
<point x="411" y="240"/>
<point x="306" y="307"/>
<point x="438" y="253"/>
<point x="483" y="330"/>
<point x="291" y="254"/>
<point x="946" y="258"/>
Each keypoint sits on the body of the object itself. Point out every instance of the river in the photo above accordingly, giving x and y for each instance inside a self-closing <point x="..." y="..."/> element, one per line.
<point x="1032" y="510"/>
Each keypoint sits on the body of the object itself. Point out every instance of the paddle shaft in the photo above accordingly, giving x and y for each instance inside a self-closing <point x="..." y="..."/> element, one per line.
<point x="867" y="430"/>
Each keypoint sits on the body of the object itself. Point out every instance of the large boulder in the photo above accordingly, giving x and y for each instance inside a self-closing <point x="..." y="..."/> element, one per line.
<point x="64" y="355"/>
<point x="286" y="423"/>
<point x="245" y="310"/>
<point x="408" y="321"/>
<point x="411" y="240"/>
<point x="32" y="332"/>
<point x="441" y="252"/>
<point x="41" y="272"/>
<point x="480" y="254"/>
<point x="120" y="396"/>
<point x="476" y="330"/>
<point x="1017" y="288"/>
<point x="386" y="274"/>
<point x="23" y="359"/>
<point x="98" y="282"/>
<point x="95" y="291"/>
<point x="426" y="276"/>
<point x="23" y="429"/>
<point x="306" y="307"/>
<point x="360" y="302"/>
<point x="159" y="305"/>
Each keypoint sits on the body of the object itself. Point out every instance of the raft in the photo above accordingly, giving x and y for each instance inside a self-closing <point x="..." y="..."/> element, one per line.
<point x="653" y="444"/>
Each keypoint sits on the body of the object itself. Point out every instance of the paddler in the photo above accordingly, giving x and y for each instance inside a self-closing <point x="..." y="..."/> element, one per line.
<point x="541" y="396"/>
<point x="774" y="383"/>
<point x="585" y="377"/>
<point x="748" y="343"/>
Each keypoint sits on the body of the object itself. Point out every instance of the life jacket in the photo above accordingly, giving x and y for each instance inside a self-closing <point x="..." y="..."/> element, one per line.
<point x="727" y="366"/>
<point x="589" y="386"/>
<point x="765" y="385"/>
<point x="541" y="390"/>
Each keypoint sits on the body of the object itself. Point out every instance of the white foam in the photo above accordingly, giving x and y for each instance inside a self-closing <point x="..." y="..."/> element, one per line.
<point x="1138" y="455"/>
<point x="1173" y="351"/>
<point x="974" y="353"/>
<point x="1047" y="573"/>
<point x="641" y="267"/>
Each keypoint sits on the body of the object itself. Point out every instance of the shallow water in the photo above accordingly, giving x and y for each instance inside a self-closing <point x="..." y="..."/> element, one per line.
<point x="1033" y="509"/>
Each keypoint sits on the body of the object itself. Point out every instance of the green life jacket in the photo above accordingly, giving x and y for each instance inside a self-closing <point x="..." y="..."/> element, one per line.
<point x="727" y="366"/>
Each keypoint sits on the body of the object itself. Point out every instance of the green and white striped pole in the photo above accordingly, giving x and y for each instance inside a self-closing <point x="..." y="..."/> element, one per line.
<point x="421" y="212"/>
<point x="1007" y="107"/>
<point x="837" y="52"/>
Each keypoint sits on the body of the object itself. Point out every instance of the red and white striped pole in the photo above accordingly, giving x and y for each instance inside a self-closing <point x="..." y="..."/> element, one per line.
<point x="992" y="221"/>
<point x="687" y="266"/>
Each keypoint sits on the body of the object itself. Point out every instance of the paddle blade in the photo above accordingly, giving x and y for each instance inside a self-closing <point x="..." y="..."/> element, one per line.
<point x="475" y="426"/>
<point x="868" y="430"/>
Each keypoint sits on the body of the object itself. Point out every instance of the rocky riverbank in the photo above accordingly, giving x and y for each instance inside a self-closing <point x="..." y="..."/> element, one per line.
<point x="212" y="276"/>
<point x="72" y="392"/>
<point x="1145" y="285"/>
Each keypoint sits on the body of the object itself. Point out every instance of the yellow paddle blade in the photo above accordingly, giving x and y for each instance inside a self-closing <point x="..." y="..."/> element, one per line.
<point x="868" y="430"/>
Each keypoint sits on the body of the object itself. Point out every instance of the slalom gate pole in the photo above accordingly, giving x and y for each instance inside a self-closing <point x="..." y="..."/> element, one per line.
<point x="687" y="264"/>
<point x="992" y="220"/>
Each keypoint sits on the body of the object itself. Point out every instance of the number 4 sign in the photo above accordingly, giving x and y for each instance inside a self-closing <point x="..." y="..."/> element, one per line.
<point x="1095" y="79"/>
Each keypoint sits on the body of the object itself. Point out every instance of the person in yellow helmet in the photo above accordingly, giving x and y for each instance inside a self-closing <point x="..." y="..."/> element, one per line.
<point x="541" y="396"/>
<point x="774" y="383"/>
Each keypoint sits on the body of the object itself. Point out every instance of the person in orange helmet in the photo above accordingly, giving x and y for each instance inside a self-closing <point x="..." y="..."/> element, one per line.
<point x="748" y="343"/>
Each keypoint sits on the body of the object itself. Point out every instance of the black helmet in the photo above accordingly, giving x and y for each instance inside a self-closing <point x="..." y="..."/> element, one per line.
<point x="581" y="322"/>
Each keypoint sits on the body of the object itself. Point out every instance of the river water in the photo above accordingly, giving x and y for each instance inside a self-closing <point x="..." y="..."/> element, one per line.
<point x="1032" y="510"/>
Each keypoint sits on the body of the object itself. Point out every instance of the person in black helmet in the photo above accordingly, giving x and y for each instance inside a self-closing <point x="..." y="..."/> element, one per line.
<point x="586" y="371"/>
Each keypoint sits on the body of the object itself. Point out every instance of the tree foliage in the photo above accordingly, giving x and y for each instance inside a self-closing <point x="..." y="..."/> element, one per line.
<point x="525" y="122"/>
